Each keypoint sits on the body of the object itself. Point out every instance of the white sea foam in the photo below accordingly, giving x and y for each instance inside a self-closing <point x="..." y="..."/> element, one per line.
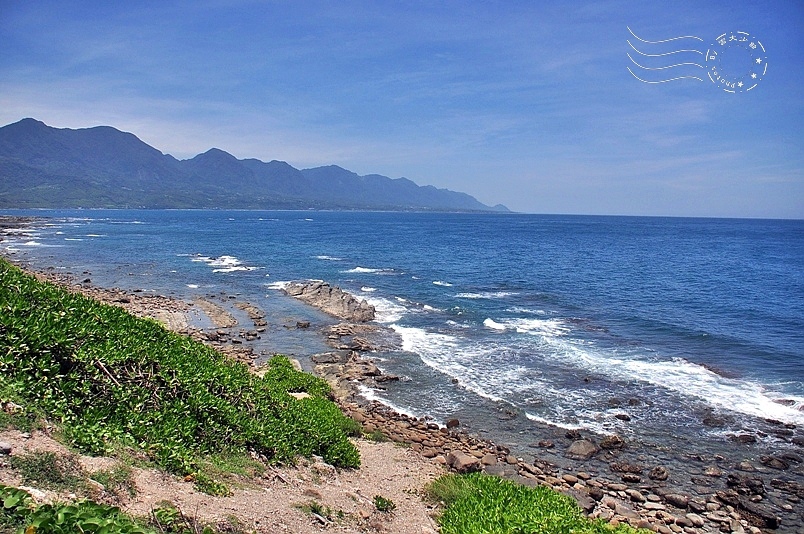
<point x="371" y="395"/>
<point x="328" y="258"/>
<point x="32" y="244"/>
<point x="368" y="270"/>
<point x="192" y="286"/>
<point x="540" y="327"/>
<point x="234" y="268"/>
<point x="427" y="307"/>
<point x="486" y="295"/>
<point x="440" y="283"/>
<point x="224" y="264"/>
<point x="476" y="367"/>
<point x="491" y="323"/>
<point x="681" y="377"/>
<point x="73" y="239"/>
<point x="367" y="289"/>
<point x="387" y="311"/>
<point x="279" y="286"/>
<point x="529" y="311"/>
<point x="96" y="235"/>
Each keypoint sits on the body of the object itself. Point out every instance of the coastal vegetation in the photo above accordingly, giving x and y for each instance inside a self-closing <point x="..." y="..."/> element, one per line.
<point x="483" y="503"/>
<point x="113" y="381"/>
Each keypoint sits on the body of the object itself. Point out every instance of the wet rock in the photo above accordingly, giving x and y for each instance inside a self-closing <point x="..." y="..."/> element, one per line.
<point x="745" y="466"/>
<point x="574" y="435"/>
<point x="788" y="486"/>
<point x="678" y="500"/>
<point x="631" y="478"/>
<point x="623" y="417"/>
<point x="546" y="444"/>
<point x="774" y="463"/>
<point x="745" y="484"/>
<point x="453" y="423"/>
<point x="386" y="378"/>
<point x="658" y="473"/>
<point x="717" y="421"/>
<point x="623" y="467"/>
<point x="743" y="438"/>
<point x="330" y="357"/>
<point x="713" y="471"/>
<point x="581" y="449"/>
<point x="612" y="442"/>
<point x="757" y="514"/>
<point x="302" y="324"/>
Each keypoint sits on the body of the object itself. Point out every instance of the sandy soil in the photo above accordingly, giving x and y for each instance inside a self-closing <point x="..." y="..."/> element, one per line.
<point x="273" y="502"/>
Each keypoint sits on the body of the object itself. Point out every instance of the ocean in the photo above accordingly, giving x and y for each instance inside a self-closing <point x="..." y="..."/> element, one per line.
<point x="677" y="334"/>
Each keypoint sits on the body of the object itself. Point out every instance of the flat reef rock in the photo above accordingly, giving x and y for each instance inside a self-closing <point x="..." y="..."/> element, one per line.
<point x="332" y="300"/>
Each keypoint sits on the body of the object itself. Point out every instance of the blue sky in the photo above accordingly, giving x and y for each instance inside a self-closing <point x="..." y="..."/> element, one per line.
<point x="529" y="104"/>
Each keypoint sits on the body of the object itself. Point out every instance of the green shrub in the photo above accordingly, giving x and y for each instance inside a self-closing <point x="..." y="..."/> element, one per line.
<point x="478" y="503"/>
<point x="111" y="379"/>
<point x="20" y="513"/>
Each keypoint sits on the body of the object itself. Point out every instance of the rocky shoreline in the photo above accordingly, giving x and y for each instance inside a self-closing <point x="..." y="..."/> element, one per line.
<point x="644" y="500"/>
<point x="616" y="490"/>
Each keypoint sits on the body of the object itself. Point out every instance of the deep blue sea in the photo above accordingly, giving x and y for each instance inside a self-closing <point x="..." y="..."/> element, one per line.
<point x="512" y="322"/>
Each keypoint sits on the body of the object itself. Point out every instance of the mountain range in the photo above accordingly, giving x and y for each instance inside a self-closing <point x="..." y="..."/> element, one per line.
<point x="102" y="167"/>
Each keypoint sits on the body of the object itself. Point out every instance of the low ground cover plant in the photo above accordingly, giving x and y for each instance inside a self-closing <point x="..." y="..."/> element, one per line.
<point x="110" y="379"/>
<point x="478" y="503"/>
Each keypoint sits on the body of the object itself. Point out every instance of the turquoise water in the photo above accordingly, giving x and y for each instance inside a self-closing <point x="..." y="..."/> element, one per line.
<point x="565" y="321"/>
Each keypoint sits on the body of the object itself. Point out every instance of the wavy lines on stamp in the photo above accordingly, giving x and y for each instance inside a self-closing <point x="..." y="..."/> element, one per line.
<point x="664" y="40"/>
<point x="664" y="61"/>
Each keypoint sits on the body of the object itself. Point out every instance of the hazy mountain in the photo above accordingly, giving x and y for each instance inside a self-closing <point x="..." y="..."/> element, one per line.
<point x="103" y="167"/>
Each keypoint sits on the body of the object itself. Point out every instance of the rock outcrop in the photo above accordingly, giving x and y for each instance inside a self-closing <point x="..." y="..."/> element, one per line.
<point x="332" y="300"/>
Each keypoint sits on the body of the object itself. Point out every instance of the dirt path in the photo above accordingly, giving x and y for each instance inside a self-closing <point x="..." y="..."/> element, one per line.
<point x="274" y="502"/>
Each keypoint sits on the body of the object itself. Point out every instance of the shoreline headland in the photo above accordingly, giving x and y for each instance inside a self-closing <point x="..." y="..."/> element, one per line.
<point x="619" y="484"/>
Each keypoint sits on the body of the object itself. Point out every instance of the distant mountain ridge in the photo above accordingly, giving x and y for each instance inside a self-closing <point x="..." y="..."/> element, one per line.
<point x="102" y="167"/>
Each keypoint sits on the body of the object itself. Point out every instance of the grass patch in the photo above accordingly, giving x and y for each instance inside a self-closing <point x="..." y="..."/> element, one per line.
<point x="377" y="436"/>
<point x="315" y="508"/>
<point x="383" y="505"/>
<point x="478" y="503"/>
<point x="48" y="470"/>
<point x="119" y="480"/>
<point x="111" y="379"/>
